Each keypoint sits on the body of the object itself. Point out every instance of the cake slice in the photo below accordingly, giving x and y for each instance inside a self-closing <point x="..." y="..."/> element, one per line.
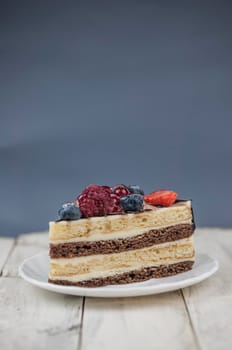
<point x="152" y="241"/>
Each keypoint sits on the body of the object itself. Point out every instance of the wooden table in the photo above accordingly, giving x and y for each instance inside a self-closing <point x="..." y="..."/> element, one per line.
<point x="198" y="317"/>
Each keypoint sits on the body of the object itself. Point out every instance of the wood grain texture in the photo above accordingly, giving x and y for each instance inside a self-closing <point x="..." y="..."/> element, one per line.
<point x="152" y="322"/>
<point x="26" y="246"/>
<point x="19" y="253"/>
<point x="32" y="318"/>
<point x="34" y="238"/>
<point x="6" y="245"/>
<point x="210" y="302"/>
<point x="198" y="317"/>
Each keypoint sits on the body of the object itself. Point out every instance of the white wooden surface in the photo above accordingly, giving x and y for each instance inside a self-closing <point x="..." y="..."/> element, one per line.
<point x="199" y="317"/>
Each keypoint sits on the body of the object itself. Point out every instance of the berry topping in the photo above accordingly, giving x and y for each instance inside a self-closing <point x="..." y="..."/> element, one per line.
<point x="135" y="189"/>
<point x="98" y="200"/>
<point x="132" y="202"/>
<point x="116" y="206"/>
<point x="161" y="197"/>
<point x="68" y="204"/>
<point x="69" y="211"/>
<point x="120" y="190"/>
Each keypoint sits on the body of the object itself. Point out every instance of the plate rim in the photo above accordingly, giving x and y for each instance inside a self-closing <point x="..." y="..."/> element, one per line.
<point x="111" y="291"/>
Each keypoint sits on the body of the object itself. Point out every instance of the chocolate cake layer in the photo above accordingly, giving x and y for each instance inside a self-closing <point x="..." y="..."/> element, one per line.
<point x="131" y="276"/>
<point x="84" y="248"/>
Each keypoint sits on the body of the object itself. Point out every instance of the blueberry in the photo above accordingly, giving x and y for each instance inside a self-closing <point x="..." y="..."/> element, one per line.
<point x="132" y="202"/>
<point x="68" y="204"/>
<point x="69" y="211"/>
<point x="135" y="189"/>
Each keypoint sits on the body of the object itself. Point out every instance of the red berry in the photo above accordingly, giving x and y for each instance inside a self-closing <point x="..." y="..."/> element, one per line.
<point x="116" y="206"/>
<point x="98" y="200"/>
<point x="120" y="190"/>
<point x="161" y="197"/>
<point x="107" y="188"/>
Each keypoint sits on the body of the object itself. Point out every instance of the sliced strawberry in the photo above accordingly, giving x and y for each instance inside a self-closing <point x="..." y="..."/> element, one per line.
<point x="161" y="197"/>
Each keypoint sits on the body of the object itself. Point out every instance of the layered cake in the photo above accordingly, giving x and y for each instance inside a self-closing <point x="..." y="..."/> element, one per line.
<point x="117" y="235"/>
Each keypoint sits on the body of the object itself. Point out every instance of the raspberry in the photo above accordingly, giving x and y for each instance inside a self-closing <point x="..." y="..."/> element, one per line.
<point x="107" y="188"/>
<point x="98" y="200"/>
<point x="116" y="206"/>
<point x="161" y="197"/>
<point x="120" y="190"/>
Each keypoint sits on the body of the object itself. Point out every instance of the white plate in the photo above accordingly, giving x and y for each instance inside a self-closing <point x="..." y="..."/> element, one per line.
<point x="35" y="271"/>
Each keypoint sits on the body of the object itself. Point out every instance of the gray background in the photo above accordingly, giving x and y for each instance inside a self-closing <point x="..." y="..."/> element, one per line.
<point x="114" y="92"/>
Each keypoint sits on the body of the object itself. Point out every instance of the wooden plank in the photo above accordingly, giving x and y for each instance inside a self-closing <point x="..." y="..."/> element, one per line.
<point x="210" y="302"/>
<point x="32" y="318"/>
<point x="26" y="246"/>
<point x="19" y="253"/>
<point x="151" y="322"/>
<point x="35" y="238"/>
<point x="6" y="244"/>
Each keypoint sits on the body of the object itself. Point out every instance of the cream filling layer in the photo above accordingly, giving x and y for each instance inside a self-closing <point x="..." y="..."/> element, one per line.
<point x="117" y="224"/>
<point x="102" y="274"/>
<point x="114" y="235"/>
<point x="83" y="268"/>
